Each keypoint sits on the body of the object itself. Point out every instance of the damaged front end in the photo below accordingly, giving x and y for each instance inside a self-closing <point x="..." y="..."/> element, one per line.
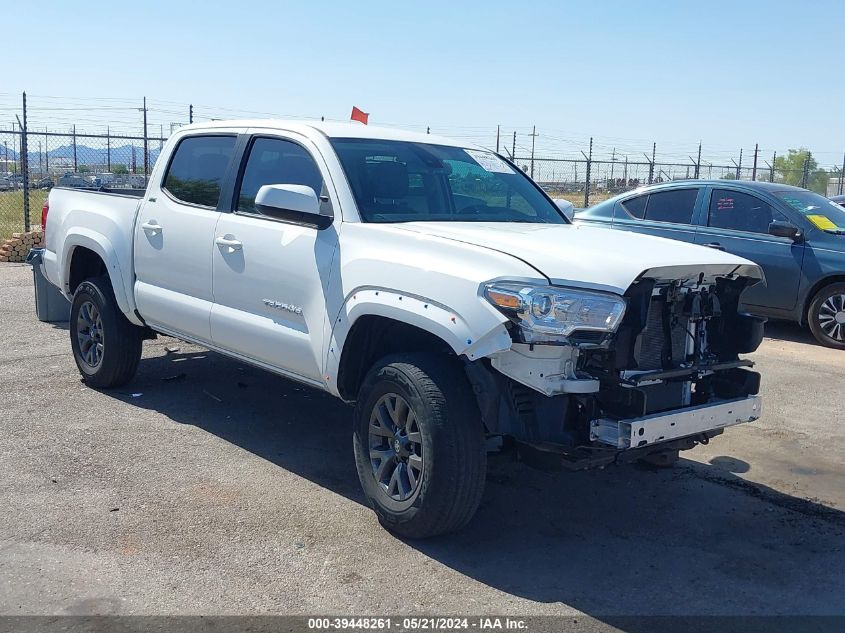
<point x="661" y="373"/>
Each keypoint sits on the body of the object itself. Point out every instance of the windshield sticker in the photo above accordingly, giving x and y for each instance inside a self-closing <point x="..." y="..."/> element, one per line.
<point x="724" y="204"/>
<point x="822" y="222"/>
<point x="489" y="162"/>
<point x="795" y="203"/>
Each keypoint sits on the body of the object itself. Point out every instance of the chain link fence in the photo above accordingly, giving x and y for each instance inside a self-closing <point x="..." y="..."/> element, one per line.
<point x="65" y="159"/>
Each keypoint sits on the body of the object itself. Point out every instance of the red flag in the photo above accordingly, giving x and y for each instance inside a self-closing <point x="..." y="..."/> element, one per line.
<point x="359" y="115"/>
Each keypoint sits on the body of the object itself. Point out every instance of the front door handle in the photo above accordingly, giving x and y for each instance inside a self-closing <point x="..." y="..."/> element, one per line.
<point x="151" y="226"/>
<point x="715" y="245"/>
<point x="228" y="242"/>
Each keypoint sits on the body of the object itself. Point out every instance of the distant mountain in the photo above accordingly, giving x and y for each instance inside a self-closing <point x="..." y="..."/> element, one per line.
<point x="85" y="155"/>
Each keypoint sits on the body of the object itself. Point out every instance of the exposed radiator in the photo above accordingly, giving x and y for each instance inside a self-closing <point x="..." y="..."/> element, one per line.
<point x="649" y="348"/>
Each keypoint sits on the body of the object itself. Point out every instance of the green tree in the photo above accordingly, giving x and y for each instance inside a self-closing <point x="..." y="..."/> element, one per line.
<point x="789" y="169"/>
<point x="119" y="170"/>
<point x="83" y="169"/>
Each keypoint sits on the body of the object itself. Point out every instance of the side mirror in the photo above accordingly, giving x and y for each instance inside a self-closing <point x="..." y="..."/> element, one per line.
<point x="779" y="228"/>
<point x="566" y="207"/>
<point x="297" y="204"/>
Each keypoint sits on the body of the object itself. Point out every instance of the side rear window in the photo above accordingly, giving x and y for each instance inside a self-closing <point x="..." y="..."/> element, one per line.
<point x="676" y="206"/>
<point x="197" y="169"/>
<point x="636" y="206"/>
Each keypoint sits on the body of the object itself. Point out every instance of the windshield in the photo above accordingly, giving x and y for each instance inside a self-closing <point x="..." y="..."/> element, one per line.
<point x="823" y="213"/>
<point x="399" y="181"/>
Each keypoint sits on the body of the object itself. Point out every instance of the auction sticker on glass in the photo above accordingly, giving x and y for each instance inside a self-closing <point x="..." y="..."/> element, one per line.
<point x="489" y="161"/>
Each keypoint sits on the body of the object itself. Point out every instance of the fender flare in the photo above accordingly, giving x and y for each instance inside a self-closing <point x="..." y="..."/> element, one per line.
<point x="101" y="245"/>
<point x="465" y="338"/>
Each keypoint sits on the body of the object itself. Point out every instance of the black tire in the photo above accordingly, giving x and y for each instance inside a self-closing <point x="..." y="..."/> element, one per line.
<point x="826" y="316"/>
<point x="451" y="446"/>
<point x="116" y="342"/>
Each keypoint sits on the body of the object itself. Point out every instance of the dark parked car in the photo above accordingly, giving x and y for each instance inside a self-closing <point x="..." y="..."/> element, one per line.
<point x="840" y="200"/>
<point x="797" y="237"/>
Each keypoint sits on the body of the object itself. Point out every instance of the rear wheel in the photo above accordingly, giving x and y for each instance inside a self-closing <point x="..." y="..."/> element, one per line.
<point x="419" y="445"/>
<point x="826" y="316"/>
<point x="106" y="346"/>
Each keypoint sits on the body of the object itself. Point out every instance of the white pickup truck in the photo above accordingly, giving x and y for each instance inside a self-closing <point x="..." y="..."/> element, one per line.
<point x="433" y="285"/>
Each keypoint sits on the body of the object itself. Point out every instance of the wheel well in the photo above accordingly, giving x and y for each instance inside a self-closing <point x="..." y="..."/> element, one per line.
<point x="821" y="283"/>
<point x="84" y="263"/>
<point x="373" y="337"/>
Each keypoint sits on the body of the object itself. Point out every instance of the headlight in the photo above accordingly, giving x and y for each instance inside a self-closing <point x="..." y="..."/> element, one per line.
<point x="550" y="314"/>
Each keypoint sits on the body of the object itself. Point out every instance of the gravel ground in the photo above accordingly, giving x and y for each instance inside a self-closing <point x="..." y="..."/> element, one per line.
<point x="208" y="487"/>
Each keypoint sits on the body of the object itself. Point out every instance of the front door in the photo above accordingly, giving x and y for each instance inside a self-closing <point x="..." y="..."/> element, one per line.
<point x="174" y="236"/>
<point x="271" y="275"/>
<point x="738" y="223"/>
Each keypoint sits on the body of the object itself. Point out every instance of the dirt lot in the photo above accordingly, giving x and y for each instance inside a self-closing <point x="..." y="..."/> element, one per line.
<point x="210" y="487"/>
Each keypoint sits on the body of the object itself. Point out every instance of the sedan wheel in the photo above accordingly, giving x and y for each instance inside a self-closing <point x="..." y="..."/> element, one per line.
<point x="826" y="316"/>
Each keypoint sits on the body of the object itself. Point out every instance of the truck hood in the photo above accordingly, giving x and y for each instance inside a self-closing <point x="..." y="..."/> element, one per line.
<point x="592" y="257"/>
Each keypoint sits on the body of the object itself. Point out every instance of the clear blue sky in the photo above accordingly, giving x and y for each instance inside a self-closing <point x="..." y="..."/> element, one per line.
<point x="729" y="73"/>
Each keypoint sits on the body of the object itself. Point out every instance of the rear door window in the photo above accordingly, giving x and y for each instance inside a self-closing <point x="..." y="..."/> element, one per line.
<point x="636" y="206"/>
<point x="197" y="169"/>
<point x="676" y="206"/>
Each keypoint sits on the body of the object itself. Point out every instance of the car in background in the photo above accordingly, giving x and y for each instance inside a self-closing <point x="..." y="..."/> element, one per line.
<point x="840" y="200"/>
<point x="795" y="235"/>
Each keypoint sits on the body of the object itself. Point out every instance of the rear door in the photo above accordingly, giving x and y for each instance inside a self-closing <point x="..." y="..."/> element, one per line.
<point x="738" y="222"/>
<point x="668" y="213"/>
<point x="174" y="236"/>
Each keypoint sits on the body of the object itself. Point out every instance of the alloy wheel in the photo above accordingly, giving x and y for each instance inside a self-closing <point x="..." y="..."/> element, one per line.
<point x="831" y="317"/>
<point x="395" y="442"/>
<point x="89" y="334"/>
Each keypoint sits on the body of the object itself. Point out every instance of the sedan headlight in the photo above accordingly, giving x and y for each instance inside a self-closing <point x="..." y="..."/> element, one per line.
<point x="551" y="314"/>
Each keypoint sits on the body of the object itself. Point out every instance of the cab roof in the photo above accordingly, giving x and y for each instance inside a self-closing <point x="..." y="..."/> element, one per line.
<point x="331" y="129"/>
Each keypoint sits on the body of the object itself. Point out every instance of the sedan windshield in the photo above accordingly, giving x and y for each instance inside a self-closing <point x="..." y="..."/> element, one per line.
<point x="823" y="213"/>
<point x="400" y="181"/>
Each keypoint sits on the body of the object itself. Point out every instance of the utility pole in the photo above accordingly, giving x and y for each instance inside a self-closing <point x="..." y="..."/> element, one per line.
<point x="612" y="163"/>
<point x="497" y="138"/>
<point x="754" y="169"/>
<point x="533" y="138"/>
<point x="146" y="145"/>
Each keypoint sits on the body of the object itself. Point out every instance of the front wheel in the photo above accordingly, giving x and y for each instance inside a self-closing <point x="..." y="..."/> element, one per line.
<point x="826" y="316"/>
<point x="419" y="445"/>
<point x="106" y="346"/>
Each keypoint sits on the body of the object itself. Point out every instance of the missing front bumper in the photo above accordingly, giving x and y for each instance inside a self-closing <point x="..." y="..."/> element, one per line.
<point x="670" y="425"/>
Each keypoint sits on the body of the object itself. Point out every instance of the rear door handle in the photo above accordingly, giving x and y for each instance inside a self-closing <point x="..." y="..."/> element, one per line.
<point x="715" y="245"/>
<point x="151" y="225"/>
<point x="226" y="242"/>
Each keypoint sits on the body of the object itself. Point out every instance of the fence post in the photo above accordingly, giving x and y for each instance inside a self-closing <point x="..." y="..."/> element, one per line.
<point x="754" y="169"/>
<point x="74" y="150"/>
<point x="589" y="167"/>
<point x="146" y="146"/>
<point x="25" y="168"/>
<point x="774" y="162"/>
<point x="698" y="162"/>
<point x="497" y="137"/>
<point x="739" y="164"/>
<point x="533" y="138"/>
<point x="841" y="175"/>
<point x="191" y="113"/>
<point x="46" y="153"/>
<point x="513" y="153"/>
<point x="108" y="149"/>
<point x="805" y="175"/>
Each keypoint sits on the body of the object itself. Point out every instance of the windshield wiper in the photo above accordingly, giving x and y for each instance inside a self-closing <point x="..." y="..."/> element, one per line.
<point x="835" y="231"/>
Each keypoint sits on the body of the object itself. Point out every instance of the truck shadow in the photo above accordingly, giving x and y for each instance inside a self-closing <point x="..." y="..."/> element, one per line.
<point x="789" y="331"/>
<point x="623" y="541"/>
